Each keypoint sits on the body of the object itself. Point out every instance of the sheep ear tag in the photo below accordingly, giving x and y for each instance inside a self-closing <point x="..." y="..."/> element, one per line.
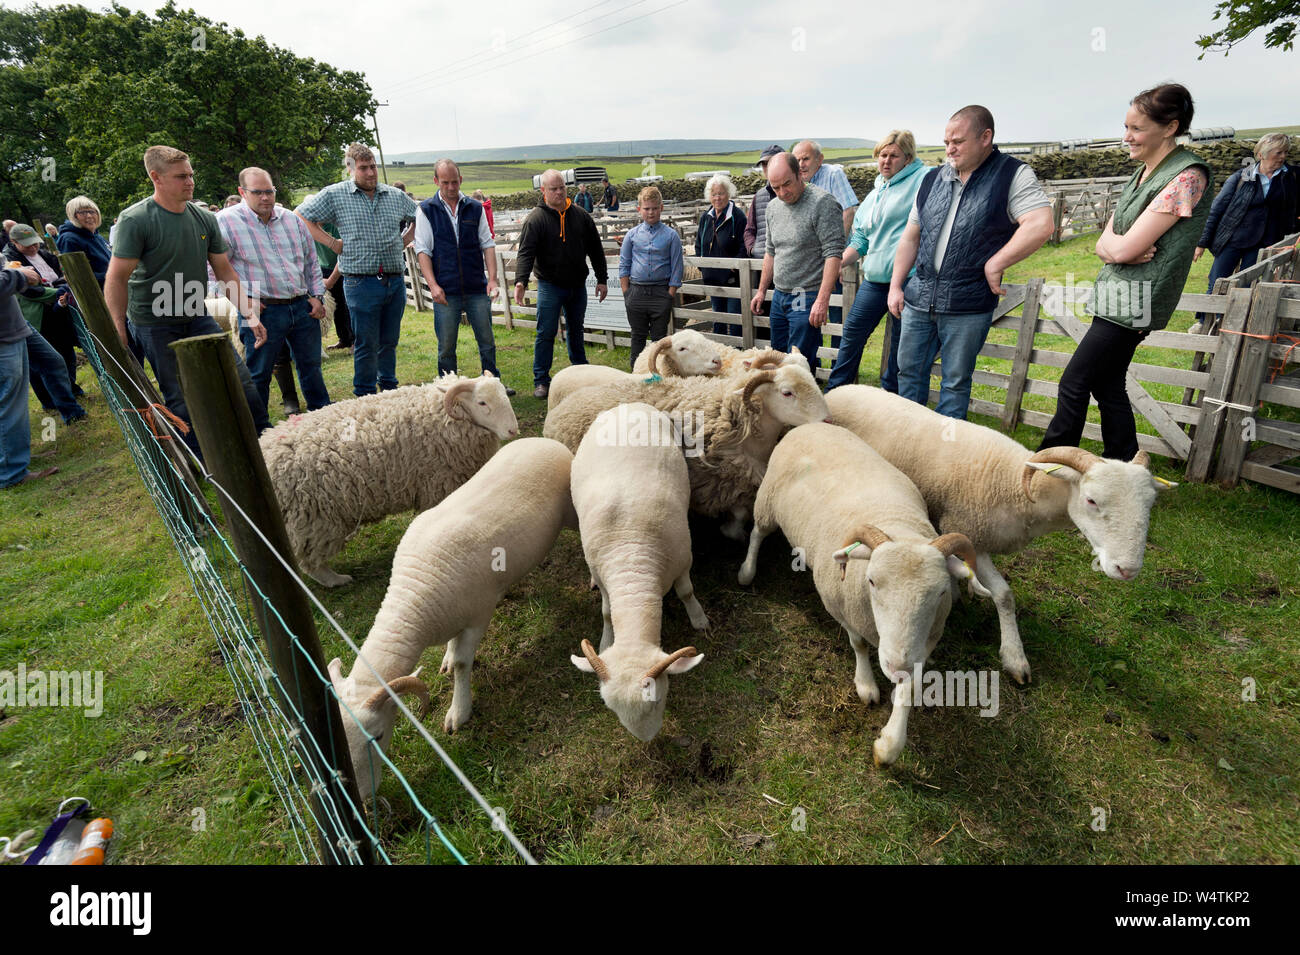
<point x="1163" y="484"/>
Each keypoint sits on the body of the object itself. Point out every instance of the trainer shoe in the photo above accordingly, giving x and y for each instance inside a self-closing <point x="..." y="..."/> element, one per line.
<point x="541" y="391"/>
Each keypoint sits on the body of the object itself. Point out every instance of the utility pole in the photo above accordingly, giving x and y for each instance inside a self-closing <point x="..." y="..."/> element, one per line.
<point x="380" y="145"/>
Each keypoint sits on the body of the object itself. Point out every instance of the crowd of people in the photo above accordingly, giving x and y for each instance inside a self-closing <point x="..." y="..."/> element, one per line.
<point x="933" y="243"/>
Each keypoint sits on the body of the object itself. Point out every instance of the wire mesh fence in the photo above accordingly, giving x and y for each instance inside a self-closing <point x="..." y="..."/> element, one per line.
<point x="326" y="824"/>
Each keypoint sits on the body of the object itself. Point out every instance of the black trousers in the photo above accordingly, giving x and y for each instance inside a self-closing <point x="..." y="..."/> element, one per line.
<point x="1098" y="368"/>
<point x="57" y="328"/>
<point x="342" y="317"/>
<point x="649" y="313"/>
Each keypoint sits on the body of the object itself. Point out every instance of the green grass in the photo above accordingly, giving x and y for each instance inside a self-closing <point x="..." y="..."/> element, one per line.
<point x="1135" y="706"/>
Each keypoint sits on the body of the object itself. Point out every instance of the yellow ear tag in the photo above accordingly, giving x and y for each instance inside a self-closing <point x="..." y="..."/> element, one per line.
<point x="1164" y="482"/>
<point x="1052" y="469"/>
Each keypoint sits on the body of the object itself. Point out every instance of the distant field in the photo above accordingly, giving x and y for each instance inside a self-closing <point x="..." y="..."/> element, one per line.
<point x="1256" y="133"/>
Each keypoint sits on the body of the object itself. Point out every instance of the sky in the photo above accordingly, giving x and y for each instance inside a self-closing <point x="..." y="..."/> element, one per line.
<point x="519" y="72"/>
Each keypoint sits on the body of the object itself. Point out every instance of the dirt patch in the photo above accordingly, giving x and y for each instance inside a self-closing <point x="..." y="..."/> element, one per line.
<point x="1262" y="591"/>
<point x="1171" y="578"/>
<point x="188" y="722"/>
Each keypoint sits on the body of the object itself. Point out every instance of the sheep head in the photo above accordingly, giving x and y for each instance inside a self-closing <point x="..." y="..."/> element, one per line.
<point x="685" y="353"/>
<point x="771" y="358"/>
<point x="634" y="681"/>
<point x="484" y="402"/>
<point x="1109" y="502"/>
<point x="370" y="722"/>
<point x="909" y="586"/>
<point x="788" y="393"/>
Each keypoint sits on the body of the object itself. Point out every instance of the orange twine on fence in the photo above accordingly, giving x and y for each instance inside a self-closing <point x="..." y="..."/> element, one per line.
<point x="148" y="415"/>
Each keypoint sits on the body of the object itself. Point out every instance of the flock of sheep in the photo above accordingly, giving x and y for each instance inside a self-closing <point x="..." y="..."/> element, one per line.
<point x="891" y="504"/>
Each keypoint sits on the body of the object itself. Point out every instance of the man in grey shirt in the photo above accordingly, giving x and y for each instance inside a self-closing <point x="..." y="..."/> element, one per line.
<point x="804" y="242"/>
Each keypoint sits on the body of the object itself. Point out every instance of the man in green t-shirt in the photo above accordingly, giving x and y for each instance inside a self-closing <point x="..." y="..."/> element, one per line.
<point x="157" y="278"/>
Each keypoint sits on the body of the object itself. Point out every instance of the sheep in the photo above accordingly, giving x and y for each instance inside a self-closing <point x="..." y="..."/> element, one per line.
<point x="574" y="377"/>
<point x="357" y="461"/>
<point x="630" y="492"/>
<point x="680" y="355"/>
<point x="454" y="564"/>
<point x="728" y="428"/>
<point x="989" y="487"/>
<point x="839" y="501"/>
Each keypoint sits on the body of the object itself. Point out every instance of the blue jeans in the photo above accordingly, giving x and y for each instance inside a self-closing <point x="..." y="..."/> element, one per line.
<point x="47" y="366"/>
<point x="550" y="299"/>
<point x="155" y="339"/>
<point x="959" y="336"/>
<point x="869" y="307"/>
<point x="729" y="306"/>
<point x="15" y="427"/>
<point x="376" y="305"/>
<point x="293" y="324"/>
<point x="790" y="326"/>
<point x="446" y="321"/>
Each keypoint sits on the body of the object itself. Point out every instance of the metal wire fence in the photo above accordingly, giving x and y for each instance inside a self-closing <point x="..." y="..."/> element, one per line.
<point x="323" y="825"/>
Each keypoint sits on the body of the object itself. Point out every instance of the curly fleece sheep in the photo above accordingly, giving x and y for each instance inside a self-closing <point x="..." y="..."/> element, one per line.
<point x="357" y="461"/>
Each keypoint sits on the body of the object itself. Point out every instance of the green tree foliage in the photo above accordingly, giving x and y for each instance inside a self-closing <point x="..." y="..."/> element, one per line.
<point x="1246" y="16"/>
<point x="84" y="93"/>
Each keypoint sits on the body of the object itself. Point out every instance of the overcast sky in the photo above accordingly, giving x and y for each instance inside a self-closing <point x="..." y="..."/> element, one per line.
<point x="516" y="72"/>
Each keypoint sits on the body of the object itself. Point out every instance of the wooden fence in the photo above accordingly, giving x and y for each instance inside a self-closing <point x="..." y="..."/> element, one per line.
<point x="1082" y="206"/>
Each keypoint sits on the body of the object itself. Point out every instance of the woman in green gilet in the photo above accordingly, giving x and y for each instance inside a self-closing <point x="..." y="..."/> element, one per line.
<point x="1147" y="249"/>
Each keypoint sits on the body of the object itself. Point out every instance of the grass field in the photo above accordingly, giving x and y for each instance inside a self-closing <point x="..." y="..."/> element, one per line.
<point x="1135" y="714"/>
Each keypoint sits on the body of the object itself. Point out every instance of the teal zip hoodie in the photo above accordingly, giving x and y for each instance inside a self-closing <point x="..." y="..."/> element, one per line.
<point x="881" y="219"/>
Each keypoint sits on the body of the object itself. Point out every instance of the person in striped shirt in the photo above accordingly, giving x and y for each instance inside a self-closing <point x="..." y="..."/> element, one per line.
<point x="275" y="258"/>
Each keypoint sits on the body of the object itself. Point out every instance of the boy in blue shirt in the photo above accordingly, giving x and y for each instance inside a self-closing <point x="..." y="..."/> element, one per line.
<point x="650" y="269"/>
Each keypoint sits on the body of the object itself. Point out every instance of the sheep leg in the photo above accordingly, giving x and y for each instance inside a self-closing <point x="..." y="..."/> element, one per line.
<point x="448" y="657"/>
<point x="1013" y="651"/>
<point x="686" y="593"/>
<point x="863" y="677"/>
<point x="735" y="528"/>
<point x="886" y="749"/>
<point x="750" y="567"/>
<point x="326" y="577"/>
<point x="462" y="663"/>
<point x="607" y="634"/>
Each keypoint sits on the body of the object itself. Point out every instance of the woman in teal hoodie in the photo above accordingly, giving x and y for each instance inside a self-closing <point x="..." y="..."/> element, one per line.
<point x="877" y="227"/>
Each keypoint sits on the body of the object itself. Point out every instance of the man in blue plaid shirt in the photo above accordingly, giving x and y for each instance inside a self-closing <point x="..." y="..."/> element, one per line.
<point x="375" y="221"/>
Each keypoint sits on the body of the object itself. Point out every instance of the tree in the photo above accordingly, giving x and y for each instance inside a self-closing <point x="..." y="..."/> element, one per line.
<point x="87" y="92"/>
<point x="1246" y="16"/>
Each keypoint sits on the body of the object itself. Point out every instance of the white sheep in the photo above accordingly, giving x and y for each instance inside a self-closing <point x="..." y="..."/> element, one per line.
<point x="681" y="354"/>
<point x="454" y="564"/>
<point x="630" y="492"/>
<point x="574" y="377"/>
<point x="839" y="501"/>
<point x="989" y="487"/>
<point x="360" y="460"/>
<point x="729" y="427"/>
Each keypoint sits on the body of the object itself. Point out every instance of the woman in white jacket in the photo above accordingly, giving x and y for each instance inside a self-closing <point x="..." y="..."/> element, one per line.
<point x="877" y="227"/>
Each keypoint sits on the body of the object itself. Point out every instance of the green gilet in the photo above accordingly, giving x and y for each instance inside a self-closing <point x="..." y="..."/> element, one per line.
<point x="1144" y="296"/>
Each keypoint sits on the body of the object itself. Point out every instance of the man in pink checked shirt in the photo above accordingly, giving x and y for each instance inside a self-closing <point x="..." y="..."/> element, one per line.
<point x="274" y="255"/>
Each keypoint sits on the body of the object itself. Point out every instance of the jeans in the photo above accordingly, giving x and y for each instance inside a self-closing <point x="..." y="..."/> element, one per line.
<point x="342" y="317"/>
<point x="155" y="339"/>
<point x="649" y="314"/>
<point x="46" y="366"/>
<point x="376" y="305"/>
<point x="959" y="336"/>
<point x="729" y="306"/>
<point x="1098" y="367"/>
<point x="869" y="307"/>
<point x="290" y="325"/>
<point x="446" y="320"/>
<point x="1229" y="261"/>
<point x="550" y="299"/>
<point x="790" y="326"/>
<point x="15" y="427"/>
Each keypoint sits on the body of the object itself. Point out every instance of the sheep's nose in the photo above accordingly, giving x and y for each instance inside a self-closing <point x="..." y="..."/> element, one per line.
<point x="827" y="420"/>
<point x="1126" y="573"/>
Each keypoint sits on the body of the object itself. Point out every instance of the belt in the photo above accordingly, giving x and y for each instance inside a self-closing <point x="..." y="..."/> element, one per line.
<point x="663" y="284"/>
<point x="281" y="301"/>
<point x="379" y="274"/>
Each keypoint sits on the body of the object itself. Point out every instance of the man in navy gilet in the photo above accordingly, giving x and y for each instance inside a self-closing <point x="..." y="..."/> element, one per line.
<point x="975" y="216"/>
<point x="453" y="245"/>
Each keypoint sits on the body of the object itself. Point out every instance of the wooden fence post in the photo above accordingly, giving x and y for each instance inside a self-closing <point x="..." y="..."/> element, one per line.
<point x="1239" y="421"/>
<point x="1024" y="347"/>
<point x="746" y="312"/>
<point x="507" y="289"/>
<point x="1215" y="396"/>
<point x="226" y="433"/>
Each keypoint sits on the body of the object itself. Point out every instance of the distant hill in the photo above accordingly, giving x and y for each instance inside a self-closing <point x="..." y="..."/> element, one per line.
<point x="625" y="148"/>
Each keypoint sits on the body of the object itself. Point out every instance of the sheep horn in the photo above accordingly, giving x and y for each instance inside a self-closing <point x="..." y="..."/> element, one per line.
<point x="959" y="544"/>
<point x="657" y="670"/>
<point x="652" y="354"/>
<point x="1076" y="458"/>
<point x="597" y="664"/>
<point x="868" y="534"/>
<point x="760" y="378"/>
<point x="454" y="394"/>
<point x="767" y="357"/>
<point x="403" y="684"/>
<point x="1143" y="459"/>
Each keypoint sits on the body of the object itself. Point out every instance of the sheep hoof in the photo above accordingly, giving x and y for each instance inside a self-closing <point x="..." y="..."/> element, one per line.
<point x="453" y="722"/>
<point x="883" y="754"/>
<point x="869" y="695"/>
<point x="327" y="578"/>
<point x="746" y="575"/>
<point x="1018" y="670"/>
<point x="700" y="623"/>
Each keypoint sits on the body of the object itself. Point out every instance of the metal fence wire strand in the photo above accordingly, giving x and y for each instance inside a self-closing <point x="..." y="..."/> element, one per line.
<point x="270" y="710"/>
